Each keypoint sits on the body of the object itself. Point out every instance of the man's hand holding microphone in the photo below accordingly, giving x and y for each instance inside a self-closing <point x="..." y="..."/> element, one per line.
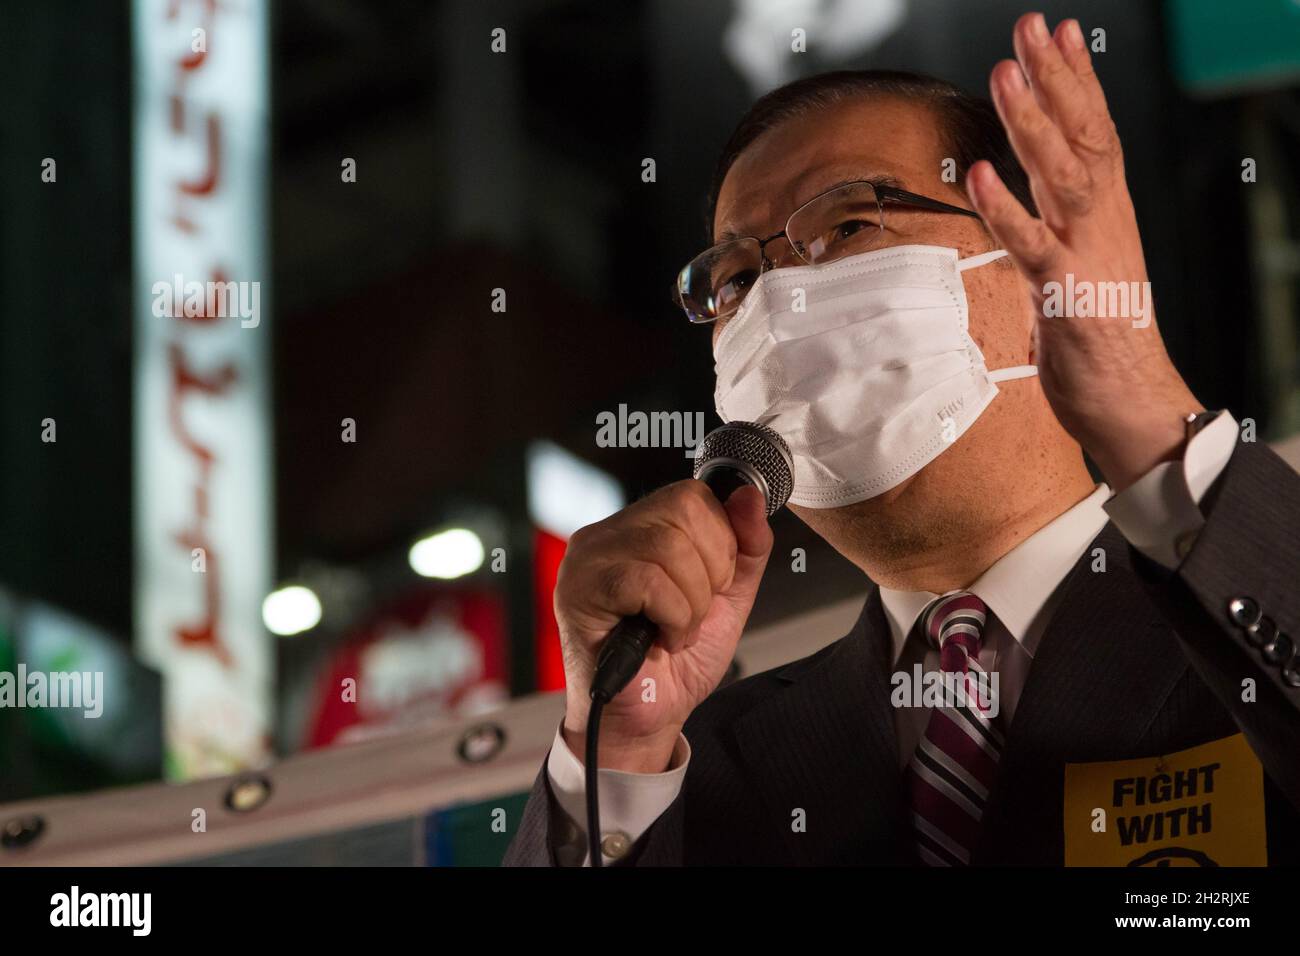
<point x="652" y="601"/>
<point x="692" y="565"/>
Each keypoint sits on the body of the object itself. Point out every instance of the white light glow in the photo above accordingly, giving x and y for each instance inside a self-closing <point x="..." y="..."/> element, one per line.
<point x="448" y="554"/>
<point x="291" y="610"/>
<point x="566" y="493"/>
<point x="759" y="39"/>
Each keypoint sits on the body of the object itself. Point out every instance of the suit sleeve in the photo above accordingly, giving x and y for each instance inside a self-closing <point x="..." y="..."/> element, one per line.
<point x="534" y="841"/>
<point x="548" y="837"/>
<point x="1234" y="603"/>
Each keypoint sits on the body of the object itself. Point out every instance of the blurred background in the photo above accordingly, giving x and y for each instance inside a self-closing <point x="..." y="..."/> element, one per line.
<point x="334" y="513"/>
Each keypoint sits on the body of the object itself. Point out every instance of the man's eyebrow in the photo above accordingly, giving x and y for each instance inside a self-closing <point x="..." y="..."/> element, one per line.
<point x="878" y="180"/>
<point x="728" y="234"/>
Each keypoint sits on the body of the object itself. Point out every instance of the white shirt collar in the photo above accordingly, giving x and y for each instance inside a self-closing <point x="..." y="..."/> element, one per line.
<point x="1018" y="585"/>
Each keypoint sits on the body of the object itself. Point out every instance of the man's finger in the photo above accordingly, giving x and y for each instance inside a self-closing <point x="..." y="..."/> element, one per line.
<point x="1069" y="39"/>
<point x="1095" y="139"/>
<point x="747" y="510"/>
<point x="1059" y="90"/>
<point x="1032" y="246"/>
<point x="1061" y="183"/>
<point x="1055" y="84"/>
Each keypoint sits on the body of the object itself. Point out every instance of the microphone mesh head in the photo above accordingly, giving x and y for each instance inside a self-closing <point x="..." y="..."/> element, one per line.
<point x="752" y="448"/>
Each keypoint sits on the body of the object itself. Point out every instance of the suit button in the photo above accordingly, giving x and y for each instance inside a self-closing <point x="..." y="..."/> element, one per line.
<point x="615" y="845"/>
<point x="1279" y="649"/>
<point x="1291" y="672"/>
<point x="1244" y="611"/>
<point x="1263" y="634"/>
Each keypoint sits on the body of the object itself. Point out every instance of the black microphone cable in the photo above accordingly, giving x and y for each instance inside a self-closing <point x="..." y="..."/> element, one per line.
<point x="620" y="658"/>
<point x="593" y="801"/>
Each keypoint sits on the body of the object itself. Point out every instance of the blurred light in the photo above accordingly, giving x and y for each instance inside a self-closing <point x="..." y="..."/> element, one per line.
<point x="481" y="743"/>
<point x="758" y="40"/>
<point x="291" y="610"/>
<point x="565" y="493"/>
<point x="448" y="554"/>
<point x="248" y="793"/>
<point x="21" y="831"/>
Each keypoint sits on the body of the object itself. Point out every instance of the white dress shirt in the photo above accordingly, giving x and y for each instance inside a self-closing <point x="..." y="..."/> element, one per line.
<point x="1159" y="515"/>
<point x="1020" y="591"/>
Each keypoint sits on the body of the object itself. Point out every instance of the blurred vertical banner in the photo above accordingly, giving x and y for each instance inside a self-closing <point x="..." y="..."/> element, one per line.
<point x="203" y="509"/>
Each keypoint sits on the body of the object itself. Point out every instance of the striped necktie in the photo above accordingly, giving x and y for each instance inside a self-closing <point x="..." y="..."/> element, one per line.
<point x="953" y="767"/>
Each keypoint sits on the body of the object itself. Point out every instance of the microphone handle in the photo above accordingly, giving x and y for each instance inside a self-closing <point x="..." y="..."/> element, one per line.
<point x="628" y="643"/>
<point x="622" y="656"/>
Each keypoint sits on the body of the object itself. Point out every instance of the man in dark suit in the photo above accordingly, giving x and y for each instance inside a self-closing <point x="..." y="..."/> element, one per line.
<point x="1128" y="646"/>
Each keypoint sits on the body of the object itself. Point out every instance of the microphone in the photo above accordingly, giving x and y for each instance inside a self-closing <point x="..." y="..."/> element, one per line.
<point x="730" y="457"/>
<point x="737" y="454"/>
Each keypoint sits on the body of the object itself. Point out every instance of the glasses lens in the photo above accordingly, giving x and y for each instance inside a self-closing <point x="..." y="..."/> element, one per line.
<point x="840" y="223"/>
<point x="715" y="281"/>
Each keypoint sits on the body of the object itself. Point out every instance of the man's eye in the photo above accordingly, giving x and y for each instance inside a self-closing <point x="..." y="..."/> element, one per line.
<point x="739" y="282"/>
<point x="849" y="227"/>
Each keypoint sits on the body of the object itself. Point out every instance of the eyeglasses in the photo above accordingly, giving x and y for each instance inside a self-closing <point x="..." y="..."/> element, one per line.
<point x="843" y="221"/>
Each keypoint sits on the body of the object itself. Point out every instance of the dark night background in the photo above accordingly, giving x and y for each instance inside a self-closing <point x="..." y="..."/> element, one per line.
<point x="521" y="171"/>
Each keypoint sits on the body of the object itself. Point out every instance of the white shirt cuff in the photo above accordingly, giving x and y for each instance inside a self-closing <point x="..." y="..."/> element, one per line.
<point x="629" y="802"/>
<point x="1159" y="514"/>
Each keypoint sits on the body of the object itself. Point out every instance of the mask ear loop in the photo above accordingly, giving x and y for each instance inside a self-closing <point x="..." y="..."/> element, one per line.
<point x="973" y="262"/>
<point x="1012" y="371"/>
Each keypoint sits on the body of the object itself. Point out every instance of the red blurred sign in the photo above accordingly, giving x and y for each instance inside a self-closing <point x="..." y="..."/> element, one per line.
<point x="548" y="551"/>
<point x="438" y="651"/>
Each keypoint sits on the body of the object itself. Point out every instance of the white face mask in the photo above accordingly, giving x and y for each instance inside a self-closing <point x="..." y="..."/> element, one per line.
<point x="871" y="380"/>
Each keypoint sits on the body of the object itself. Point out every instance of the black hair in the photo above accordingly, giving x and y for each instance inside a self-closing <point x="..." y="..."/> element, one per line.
<point x="970" y="127"/>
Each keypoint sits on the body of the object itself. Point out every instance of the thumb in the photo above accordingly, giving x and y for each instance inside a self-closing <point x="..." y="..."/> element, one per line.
<point x="747" y="511"/>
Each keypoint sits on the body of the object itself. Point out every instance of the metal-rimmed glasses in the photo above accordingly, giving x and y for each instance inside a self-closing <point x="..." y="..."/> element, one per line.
<point x="842" y="221"/>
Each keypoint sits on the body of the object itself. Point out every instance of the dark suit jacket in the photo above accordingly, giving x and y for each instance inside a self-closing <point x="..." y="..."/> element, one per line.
<point x="1136" y="662"/>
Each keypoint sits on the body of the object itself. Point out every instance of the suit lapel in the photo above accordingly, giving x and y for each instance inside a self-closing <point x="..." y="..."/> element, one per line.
<point x="1105" y="665"/>
<point x="826" y="745"/>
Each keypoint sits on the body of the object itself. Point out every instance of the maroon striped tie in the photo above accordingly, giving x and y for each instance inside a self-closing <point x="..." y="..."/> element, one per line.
<point x="952" y="770"/>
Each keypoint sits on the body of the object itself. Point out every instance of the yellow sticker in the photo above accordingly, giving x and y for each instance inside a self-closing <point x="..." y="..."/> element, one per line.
<point x="1199" y="807"/>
